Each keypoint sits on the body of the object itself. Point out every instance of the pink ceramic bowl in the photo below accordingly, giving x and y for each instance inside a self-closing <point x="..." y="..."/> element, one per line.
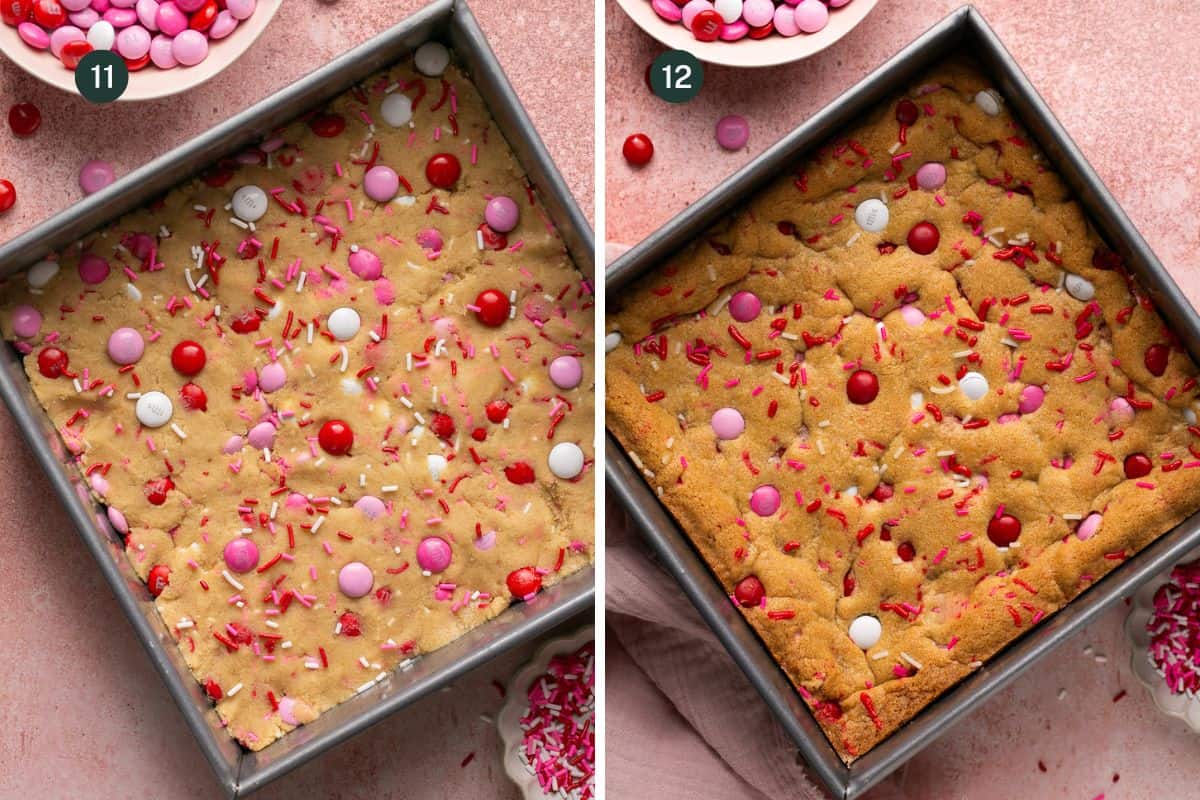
<point x="768" y="52"/>
<point x="150" y="82"/>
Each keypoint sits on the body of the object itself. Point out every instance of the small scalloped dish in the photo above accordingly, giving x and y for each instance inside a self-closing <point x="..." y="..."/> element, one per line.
<point x="1179" y="705"/>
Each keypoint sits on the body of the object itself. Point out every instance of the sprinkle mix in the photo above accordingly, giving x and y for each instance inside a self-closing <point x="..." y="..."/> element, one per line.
<point x="559" y="734"/>
<point x="1174" y="628"/>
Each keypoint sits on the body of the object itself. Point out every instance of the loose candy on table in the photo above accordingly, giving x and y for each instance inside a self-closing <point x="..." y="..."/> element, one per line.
<point x="95" y="175"/>
<point x="733" y="132"/>
<point x="638" y="149"/>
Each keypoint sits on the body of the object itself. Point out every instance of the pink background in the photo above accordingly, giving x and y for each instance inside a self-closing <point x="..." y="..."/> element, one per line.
<point x="82" y="714"/>
<point x="1114" y="85"/>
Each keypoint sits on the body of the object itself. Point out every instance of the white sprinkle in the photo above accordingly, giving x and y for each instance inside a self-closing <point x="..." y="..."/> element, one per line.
<point x="232" y="580"/>
<point x="178" y="431"/>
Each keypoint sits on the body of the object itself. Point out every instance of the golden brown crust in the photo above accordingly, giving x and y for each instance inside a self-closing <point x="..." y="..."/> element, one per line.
<point x="992" y="299"/>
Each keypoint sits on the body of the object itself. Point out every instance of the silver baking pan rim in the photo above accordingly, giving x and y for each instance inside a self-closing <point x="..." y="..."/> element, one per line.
<point x="963" y="29"/>
<point x="240" y="772"/>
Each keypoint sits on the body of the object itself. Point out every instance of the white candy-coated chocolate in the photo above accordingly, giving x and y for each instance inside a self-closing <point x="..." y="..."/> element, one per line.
<point x="431" y="59"/>
<point x="989" y="102"/>
<point x="250" y="203"/>
<point x="344" y="323"/>
<point x="872" y="215"/>
<point x="566" y="460"/>
<point x="154" y="409"/>
<point x="612" y="341"/>
<point x="974" y="386"/>
<point x="42" y="273"/>
<point x="865" y="631"/>
<point x="1079" y="287"/>
<point x="396" y="109"/>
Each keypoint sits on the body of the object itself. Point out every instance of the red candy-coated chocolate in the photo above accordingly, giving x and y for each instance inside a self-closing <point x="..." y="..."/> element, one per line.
<point x="706" y="25"/>
<point x="907" y="112"/>
<point x="158" y="579"/>
<point x="327" y="126"/>
<point x="442" y="425"/>
<point x="1004" y="530"/>
<point x="157" y="489"/>
<point x="862" y="387"/>
<point x="906" y="550"/>
<point x="762" y="31"/>
<point x="188" y="358"/>
<point x="193" y="397"/>
<point x="247" y="322"/>
<point x="493" y="307"/>
<point x="24" y="119"/>
<point x="8" y="195"/>
<point x="882" y="492"/>
<point x="351" y="626"/>
<point x="336" y="438"/>
<point x="14" y="12"/>
<point x="443" y="170"/>
<point x="491" y="239"/>
<point x="213" y="689"/>
<point x="1138" y="465"/>
<point x="50" y="14"/>
<point x="497" y="410"/>
<point x="203" y="17"/>
<point x="519" y="473"/>
<point x="52" y="362"/>
<point x="479" y="434"/>
<point x="749" y="591"/>
<point x="73" y="52"/>
<point x="923" y="238"/>
<point x="133" y="65"/>
<point x="1156" y="359"/>
<point x="524" y="582"/>
<point x="638" y="150"/>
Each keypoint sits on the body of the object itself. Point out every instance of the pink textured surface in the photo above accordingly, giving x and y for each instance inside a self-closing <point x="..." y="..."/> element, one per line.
<point x="1103" y="81"/>
<point x="82" y="714"/>
<point x="304" y="35"/>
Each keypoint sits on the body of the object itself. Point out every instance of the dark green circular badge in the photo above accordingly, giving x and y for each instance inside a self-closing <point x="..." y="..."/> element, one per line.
<point x="676" y="76"/>
<point x="101" y="76"/>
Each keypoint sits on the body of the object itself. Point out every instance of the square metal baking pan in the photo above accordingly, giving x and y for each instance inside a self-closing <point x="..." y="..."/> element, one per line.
<point x="240" y="772"/>
<point x="963" y="30"/>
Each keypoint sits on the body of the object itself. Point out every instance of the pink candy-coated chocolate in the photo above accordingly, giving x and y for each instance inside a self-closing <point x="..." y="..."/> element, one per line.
<point x="190" y="48"/>
<point x="365" y="264"/>
<point x="785" y="21"/>
<point x="147" y="12"/>
<point x="434" y="554"/>
<point x="224" y="25"/>
<point x="61" y="36"/>
<point x="430" y="239"/>
<point x="1087" y="529"/>
<point x="501" y="214"/>
<point x="262" y="435"/>
<point x="189" y="6"/>
<point x="733" y="132"/>
<point x="370" y="506"/>
<point x="744" y="306"/>
<point x="100" y="6"/>
<point x="1120" y="411"/>
<point x="120" y="17"/>
<point x="931" y="175"/>
<point x="765" y="500"/>
<point x="912" y="315"/>
<point x="733" y="31"/>
<point x="240" y="9"/>
<point x="126" y="346"/>
<point x="1031" y="399"/>
<point x="95" y="175"/>
<point x="728" y="423"/>
<point x="667" y="10"/>
<point x="241" y="555"/>
<point x="162" y="52"/>
<point x="170" y="20"/>
<point x="758" y="12"/>
<point x="355" y="579"/>
<point x="272" y="377"/>
<point x="133" y="42"/>
<point x="812" y="16"/>
<point x="566" y="372"/>
<point x="75" y="5"/>
<point x="693" y="8"/>
<point x="381" y="183"/>
<point x="32" y="34"/>
<point x="117" y="520"/>
<point x="26" y="321"/>
<point x="93" y="269"/>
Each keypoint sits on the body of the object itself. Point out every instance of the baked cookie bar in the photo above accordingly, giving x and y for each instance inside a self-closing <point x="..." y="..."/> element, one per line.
<point x="335" y="394"/>
<point x="906" y="403"/>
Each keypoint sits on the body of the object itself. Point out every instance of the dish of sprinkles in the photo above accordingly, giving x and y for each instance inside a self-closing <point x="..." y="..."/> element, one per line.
<point x="335" y="395"/>
<point x="1174" y="628"/>
<point x="906" y="402"/>
<point x="558" y="729"/>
